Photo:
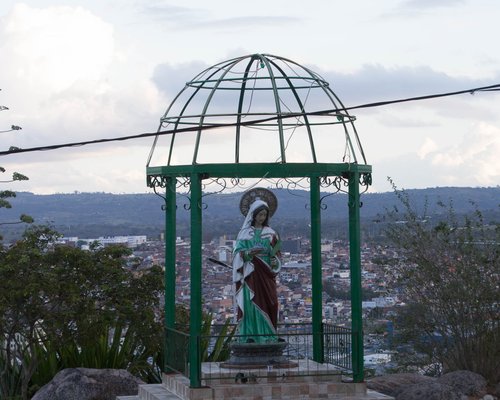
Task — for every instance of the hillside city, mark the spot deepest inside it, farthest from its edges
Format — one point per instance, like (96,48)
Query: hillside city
(294,283)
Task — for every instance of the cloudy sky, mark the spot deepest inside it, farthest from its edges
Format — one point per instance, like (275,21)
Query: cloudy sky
(75,70)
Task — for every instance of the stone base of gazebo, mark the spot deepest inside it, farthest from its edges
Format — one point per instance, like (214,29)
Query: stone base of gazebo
(222,384)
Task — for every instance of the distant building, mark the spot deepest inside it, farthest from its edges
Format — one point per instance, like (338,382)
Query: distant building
(384,301)
(326,246)
(296,264)
(129,241)
(368,304)
(68,241)
(342,274)
(224,254)
(224,241)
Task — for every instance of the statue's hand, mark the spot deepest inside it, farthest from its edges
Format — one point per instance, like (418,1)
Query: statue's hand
(257,250)
(249,254)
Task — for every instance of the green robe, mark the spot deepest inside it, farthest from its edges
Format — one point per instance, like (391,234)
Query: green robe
(256,285)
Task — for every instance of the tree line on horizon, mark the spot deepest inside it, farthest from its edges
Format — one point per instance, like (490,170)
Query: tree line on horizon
(102,214)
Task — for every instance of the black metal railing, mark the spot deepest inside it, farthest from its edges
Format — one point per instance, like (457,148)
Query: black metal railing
(176,351)
(299,338)
(337,346)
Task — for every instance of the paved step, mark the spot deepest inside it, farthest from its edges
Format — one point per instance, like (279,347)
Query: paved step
(159,392)
(151,392)
(156,392)
(300,389)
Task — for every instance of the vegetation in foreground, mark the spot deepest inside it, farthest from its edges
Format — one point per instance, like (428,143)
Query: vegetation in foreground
(63,307)
(449,275)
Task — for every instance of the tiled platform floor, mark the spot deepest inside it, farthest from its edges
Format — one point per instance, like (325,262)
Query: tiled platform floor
(159,392)
(306,381)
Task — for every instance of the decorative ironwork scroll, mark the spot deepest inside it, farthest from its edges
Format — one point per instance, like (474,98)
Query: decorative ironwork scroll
(366,181)
(339,183)
(220,185)
(184,183)
(156,182)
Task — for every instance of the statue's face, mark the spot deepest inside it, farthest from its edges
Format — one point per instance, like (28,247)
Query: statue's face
(260,217)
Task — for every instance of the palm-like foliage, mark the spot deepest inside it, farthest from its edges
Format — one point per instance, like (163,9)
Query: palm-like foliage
(115,348)
(10,377)
(220,349)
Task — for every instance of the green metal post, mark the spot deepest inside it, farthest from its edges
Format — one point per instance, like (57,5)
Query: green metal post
(355,263)
(317,285)
(195,311)
(170,259)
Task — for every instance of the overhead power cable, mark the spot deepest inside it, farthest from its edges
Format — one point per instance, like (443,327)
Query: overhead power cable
(490,88)
(16,150)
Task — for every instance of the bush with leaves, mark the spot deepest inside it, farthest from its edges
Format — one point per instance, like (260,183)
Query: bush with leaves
(449,276)
(59,304)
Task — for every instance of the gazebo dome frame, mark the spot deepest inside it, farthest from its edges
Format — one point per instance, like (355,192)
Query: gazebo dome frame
(188,115)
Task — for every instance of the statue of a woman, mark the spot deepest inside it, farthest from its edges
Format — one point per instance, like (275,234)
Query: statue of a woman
(256,262)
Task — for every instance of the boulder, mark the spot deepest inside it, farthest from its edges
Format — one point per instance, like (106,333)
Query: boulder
(428,391)
(466,382)
(391,384)
(89,384)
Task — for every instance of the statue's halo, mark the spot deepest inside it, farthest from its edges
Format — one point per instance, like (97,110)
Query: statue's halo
(255,194)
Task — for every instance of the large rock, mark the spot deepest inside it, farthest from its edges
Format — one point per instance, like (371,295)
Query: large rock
(466,382)
(428,391)
(391,384)
(89,384)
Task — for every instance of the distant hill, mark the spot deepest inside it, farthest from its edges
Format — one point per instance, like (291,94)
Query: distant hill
(100,214)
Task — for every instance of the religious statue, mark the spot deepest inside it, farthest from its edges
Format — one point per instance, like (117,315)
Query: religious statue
(256,262)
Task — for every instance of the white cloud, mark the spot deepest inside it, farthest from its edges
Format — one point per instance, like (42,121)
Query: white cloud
(373,83)
(67,80)
(52,48)
(64,78)
(66,68)
(429,4)
(167,13)
(86,70)
(474,159)
(427,147)
(170,78)
(469,161)
(189,18)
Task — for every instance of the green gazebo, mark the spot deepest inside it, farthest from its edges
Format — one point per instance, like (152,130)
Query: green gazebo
(253,118)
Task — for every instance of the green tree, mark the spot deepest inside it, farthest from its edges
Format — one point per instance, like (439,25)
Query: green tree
(59,297)
(449,274)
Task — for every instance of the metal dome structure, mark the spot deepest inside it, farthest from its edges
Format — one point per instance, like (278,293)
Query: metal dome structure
(258,117)
(229,108)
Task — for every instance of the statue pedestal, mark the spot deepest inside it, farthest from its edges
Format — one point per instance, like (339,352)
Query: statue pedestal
(258,355)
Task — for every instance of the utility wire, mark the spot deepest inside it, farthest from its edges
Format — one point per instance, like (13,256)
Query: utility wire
(490,88)
(16,150)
